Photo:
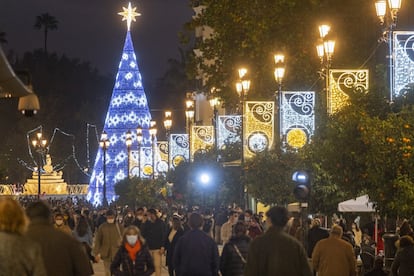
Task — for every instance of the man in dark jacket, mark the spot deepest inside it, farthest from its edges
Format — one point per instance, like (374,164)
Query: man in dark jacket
(275,252)
(63,255)
(315,234)
(196,253)
(154,231)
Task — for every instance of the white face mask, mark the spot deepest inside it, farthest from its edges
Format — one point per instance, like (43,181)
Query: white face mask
(140,217)
(59,222)
(247,219)
(132,239)
(110,220)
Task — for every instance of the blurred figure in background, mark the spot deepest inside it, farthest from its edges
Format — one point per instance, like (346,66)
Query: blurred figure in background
(175,232)
(234,256)
(18,255)
(60,224)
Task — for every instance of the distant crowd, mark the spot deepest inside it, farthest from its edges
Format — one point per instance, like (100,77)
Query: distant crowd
(65,236)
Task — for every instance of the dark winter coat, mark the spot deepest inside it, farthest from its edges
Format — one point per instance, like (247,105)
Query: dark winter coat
(170,246)
(403,264)
(230,262)
(154,233)
(143,265)
(196,254)
(315,234)
(276,253)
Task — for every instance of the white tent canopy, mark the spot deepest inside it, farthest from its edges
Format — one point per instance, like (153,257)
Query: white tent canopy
(360,204)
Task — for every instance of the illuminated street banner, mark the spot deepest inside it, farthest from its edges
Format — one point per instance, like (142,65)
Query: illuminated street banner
(402,76)
(297,113)
(202,138)
(162,162)
(341,83)
(258,127)
(228,130)
(179,149)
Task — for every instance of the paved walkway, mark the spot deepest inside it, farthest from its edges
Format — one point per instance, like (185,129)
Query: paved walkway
(99,270)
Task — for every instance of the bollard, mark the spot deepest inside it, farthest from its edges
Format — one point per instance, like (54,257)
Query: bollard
(389,249)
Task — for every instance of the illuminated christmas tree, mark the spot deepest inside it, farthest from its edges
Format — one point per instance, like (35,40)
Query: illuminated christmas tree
(128,109)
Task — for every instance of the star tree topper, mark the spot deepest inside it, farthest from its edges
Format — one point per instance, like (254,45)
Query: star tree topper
(129,14)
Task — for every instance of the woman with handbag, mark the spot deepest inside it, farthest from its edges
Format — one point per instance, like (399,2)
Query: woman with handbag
(234,255)
(133,257)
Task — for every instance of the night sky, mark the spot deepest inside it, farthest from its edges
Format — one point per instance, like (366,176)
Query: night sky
(93,31)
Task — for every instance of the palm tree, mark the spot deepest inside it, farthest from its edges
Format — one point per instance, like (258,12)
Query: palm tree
(3,39)
(47,22)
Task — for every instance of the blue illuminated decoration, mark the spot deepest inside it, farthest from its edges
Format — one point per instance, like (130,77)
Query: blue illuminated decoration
(228,130)
(297,117)
(179,149)
(127,110)
(402,77)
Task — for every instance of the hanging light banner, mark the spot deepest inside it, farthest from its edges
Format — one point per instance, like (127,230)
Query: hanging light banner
(179,149)
(146,162)
(341,83)
(134,168)
(202,138)
(402,75)
(258,127)
(228,130)
(297,118)
(162,164)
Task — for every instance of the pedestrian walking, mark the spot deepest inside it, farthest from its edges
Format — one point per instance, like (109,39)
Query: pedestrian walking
(227,227)
(62,253)
(334,256)
(196,253)
(107,241)
(403,264)
(133,257)
(275,252)
(154,231)
(19,255)
(234,256)
(175,232)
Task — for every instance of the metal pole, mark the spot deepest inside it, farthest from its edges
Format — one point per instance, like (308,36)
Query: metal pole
(391,61)
(215,132)
(129,162)
(153,157)
(105,202)
(139,160)
(38,175)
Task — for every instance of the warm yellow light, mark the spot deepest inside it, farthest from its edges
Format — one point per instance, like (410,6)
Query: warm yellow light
(242,72)
(43,142)
(324,30)
(104,136)
(128,142)
(167,114)
(381,9)
(214,101)
(152,124)
(34,143)
(239,88)
(189,114)
(128,135)
(129,15)
(39,135)
(329,47)
(320,50)
(279,74)
(279,58)
(189,103)
(395,4)
(139,135)
(246,86)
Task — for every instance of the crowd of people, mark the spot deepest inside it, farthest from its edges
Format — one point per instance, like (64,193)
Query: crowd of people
(65,236)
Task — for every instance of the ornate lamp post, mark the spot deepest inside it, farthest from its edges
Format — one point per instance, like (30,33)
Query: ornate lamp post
(128,142)
(325,50)
(104,144)
(139,140)
(189,115)
(167,126)
(279,75)
(242,88)
(40,145)
(388,19)
(153,133)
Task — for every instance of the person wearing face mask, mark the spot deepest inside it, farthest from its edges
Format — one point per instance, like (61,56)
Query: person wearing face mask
(107,240)
(60,224)
(128,219)
(139,217)
(133,257)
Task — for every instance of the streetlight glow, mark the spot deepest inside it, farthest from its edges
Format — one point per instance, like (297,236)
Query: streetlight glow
(324,30)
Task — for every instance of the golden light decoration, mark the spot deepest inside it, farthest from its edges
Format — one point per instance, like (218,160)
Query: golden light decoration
(259,126)
(129,15)
(202,137)
(147,170)
(177,160)
(296,138)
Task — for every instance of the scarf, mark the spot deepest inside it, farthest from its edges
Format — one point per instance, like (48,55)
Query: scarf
(133,250)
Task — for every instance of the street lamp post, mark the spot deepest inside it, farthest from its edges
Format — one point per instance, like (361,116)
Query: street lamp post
(189,115)
(40,145)
(388,19)
(128,142)
(325,50)
(104,144)
(153,133)
(279,75)
(139,141)
(167,126)
(242,88)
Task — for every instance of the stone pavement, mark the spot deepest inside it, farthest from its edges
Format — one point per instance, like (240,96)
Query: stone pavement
(99,270)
